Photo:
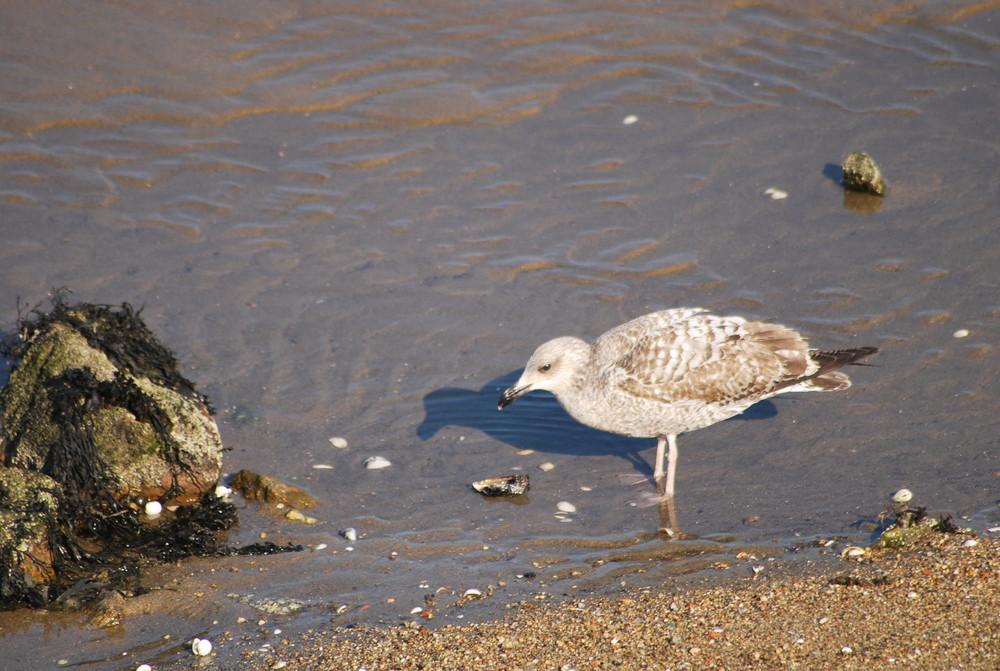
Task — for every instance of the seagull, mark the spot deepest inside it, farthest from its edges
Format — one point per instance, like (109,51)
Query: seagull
(674,371)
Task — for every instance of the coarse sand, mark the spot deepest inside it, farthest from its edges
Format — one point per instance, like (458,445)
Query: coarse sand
(936,606)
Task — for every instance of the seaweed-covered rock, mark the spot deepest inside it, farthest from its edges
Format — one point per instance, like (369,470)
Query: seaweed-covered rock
(94,419)
(29,506)
(97,399)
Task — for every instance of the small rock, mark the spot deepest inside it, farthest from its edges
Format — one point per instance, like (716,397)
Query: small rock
(201,646)
(257,487)
(297,516)
(861,174)
(902,496)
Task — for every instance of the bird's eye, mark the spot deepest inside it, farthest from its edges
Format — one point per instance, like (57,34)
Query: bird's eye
(545,367)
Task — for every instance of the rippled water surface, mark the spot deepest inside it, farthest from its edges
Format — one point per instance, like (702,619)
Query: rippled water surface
(359,219)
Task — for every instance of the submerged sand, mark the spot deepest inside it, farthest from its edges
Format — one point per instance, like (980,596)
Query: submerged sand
(936,606)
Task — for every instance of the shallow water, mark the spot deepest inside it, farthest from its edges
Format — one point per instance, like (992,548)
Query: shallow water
(360,222)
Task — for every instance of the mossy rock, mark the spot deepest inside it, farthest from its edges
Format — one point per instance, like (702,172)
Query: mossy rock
(29,506)
(68,401)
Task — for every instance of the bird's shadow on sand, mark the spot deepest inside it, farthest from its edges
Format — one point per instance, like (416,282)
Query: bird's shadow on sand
(537,422)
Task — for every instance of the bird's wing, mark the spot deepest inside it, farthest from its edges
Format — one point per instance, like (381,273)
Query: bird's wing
(703,358)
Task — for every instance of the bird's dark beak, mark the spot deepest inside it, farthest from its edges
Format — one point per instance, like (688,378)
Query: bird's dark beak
(511,395)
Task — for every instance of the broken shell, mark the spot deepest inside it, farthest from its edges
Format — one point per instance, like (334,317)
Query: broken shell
(350,534)
(375,463)
(852,551)
(902,496)
(472,593)
(509,485)
(566,507)
(775,194)
(201,646)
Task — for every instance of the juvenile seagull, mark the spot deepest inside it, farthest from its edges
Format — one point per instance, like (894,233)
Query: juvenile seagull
(675,371)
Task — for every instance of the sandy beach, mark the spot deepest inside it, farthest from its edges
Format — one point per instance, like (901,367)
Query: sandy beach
(933,607)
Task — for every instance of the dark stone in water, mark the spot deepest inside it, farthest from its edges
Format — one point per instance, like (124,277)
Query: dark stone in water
(861,174)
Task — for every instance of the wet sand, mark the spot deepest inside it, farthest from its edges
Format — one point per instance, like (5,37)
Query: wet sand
(933,607)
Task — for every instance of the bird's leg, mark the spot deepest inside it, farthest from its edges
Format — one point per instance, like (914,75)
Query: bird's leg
(666,449)
(664,477)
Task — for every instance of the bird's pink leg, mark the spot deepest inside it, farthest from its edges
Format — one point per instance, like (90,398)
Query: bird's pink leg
(666,451)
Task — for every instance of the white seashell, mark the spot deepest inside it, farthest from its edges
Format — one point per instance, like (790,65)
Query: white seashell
(350,534)
(153,508)
(547,466)
(961,333)
(338,442)
(416,610)
(473,593)
(144,667)
(222,492)
(321,546)
(201,646)
(375,463)
(971,543)
(322,467)
(852,551)
(630,119)
(902,496)
(775,194)
(566,507)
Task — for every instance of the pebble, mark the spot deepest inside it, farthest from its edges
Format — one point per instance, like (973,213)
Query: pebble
(958,614)
(201,646)
(375,463)
(297,516)
(775,194)
(339,443)
(902,496)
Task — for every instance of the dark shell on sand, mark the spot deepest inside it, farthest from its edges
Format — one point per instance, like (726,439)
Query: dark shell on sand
(510,485)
